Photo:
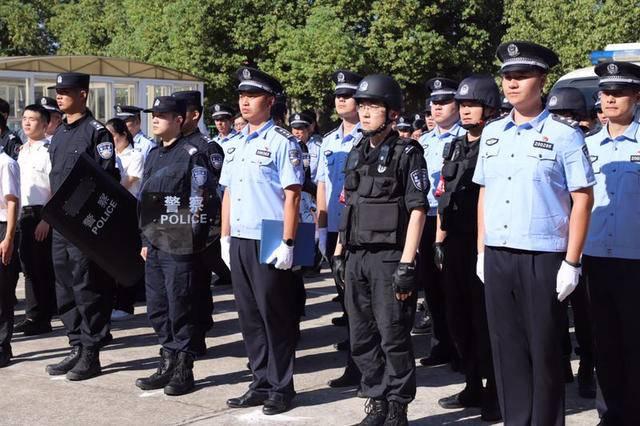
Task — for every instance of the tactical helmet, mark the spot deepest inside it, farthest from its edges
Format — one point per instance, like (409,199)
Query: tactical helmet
(381,88)
(479,88)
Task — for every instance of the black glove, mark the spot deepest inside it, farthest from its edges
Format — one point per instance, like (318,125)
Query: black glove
(438,255)
(337,267)
(404,278)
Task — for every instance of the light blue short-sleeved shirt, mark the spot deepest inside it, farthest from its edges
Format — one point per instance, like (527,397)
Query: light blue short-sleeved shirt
(257,168)
(433,143)
(614,230)
(221,140)
(528,172)
(143,144)
(333,156)
(313,145)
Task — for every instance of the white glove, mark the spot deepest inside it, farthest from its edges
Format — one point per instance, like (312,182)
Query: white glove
(322,241)
(225,247)
(567,280)
(283,256)
(480,267)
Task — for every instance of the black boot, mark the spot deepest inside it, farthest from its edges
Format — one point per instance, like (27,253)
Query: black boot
(88,365)
(5,357)
(32,328)
(586,379)
(376,410)
(163,374)
(182,379)
(66,364)
(568,372)
(397,414)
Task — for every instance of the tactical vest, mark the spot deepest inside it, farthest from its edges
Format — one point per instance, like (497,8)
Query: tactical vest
(375,213)
(457,206)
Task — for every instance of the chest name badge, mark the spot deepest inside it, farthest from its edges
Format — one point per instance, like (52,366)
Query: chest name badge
(263,153)
(635,158)
(105,150)
(491,141)
(543,145)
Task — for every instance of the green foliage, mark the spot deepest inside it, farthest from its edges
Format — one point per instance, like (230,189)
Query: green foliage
(22,28)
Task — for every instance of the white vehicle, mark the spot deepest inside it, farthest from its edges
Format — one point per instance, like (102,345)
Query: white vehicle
(586,79)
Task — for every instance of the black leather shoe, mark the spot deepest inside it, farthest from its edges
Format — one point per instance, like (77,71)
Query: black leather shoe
(342,346)
(586,381)
(339,321)
(344,381)
(276,404)
(5,358)
(163,374)
(87,367)
(461,400)
(435,359)
(249,399)
(396,414)
(32,328)
(423,325)
(181,381)
(66,364)
(376,410)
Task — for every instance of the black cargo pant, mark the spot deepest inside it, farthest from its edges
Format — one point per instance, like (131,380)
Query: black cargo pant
(431,280)
(466,312)
(8,281)
(526,326)
(84,293)
(172,283)
(268,309)
(37,267)
(614,287)
(380,325)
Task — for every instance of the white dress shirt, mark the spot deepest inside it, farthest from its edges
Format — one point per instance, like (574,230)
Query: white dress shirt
(9,182)
(131,164)
(35,165)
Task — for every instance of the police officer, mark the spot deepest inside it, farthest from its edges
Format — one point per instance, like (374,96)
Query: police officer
(35,235)
(55,115)
(301,126)
(569,102)
(222,116)
(417,126)
(83,292)
(10,142)
(336,145)
(428,117)
(478,99)
(445,115)
(193,101)
(131,116)
(176,174)
(263,176)
(385,186)
(534,206)
(404,126)
(9,262)
(612,252)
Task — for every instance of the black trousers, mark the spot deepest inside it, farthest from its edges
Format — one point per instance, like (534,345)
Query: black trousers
(8,281)
(431,280)
(84,293)
(582,323)
(37,268)
(172,283)
(269,315)
(466,312)
(380,326)
(526,326)
(614,287)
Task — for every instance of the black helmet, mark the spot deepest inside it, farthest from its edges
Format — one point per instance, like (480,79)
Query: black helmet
(382,88)
(479,88)
(568,99)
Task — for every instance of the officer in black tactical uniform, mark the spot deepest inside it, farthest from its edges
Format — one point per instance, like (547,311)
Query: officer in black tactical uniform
(10,142)
(386,182)
(215,154)
(83,291)
(178,203)
(455,249)
(569,102)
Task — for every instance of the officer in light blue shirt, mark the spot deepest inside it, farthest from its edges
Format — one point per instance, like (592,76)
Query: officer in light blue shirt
(534,206)
(223,119)
(301,126)
(444,111)
(335,148)
(612,252)
(263,176)
(131,116)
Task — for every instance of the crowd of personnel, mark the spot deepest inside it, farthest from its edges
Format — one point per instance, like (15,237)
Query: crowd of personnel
(504,207)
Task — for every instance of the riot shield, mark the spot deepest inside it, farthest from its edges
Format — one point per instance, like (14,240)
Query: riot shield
(98,215)
(185,219)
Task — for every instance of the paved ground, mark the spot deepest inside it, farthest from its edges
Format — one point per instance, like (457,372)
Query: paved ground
(29,396)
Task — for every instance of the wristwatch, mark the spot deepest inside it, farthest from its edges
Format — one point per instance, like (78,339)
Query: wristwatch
(288,242)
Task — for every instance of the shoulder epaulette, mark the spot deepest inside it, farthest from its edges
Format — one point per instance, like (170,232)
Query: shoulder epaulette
(592,132)
(283,132)
(191,149)
(408,145)
(329,132)
(97,125)
(564,120)
(491,120)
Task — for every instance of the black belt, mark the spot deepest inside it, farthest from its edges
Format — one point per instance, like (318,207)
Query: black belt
(31,210)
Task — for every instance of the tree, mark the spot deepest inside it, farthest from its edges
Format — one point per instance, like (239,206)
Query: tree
(22,28)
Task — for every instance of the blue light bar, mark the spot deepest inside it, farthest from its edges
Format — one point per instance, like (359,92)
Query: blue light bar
(628,55)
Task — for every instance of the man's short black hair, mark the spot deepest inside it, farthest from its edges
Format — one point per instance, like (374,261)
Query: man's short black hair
(44,113)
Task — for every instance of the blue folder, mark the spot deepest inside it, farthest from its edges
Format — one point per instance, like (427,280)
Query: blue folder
(304,246)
